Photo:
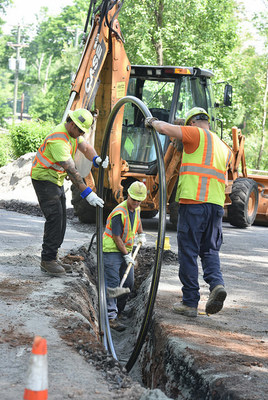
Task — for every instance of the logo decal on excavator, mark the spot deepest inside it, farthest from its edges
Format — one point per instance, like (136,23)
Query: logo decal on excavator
(93,71)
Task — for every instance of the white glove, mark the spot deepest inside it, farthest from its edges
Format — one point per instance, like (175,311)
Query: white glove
(141,238)
(128,258)
(148,122)
(94,200)
(104,163)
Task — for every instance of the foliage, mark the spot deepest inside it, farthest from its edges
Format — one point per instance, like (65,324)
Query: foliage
(3,5)
(28,136)
(5,155)
(5,91)
(51,103)
(49,106)
(186,32)
(52,58)
(169,32)
(252,143)
(248,75)
(5,112)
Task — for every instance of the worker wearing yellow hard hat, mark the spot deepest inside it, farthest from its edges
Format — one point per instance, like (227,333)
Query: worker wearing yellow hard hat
(198,113)
(54,160)
(82,118)
(201,197)
(122,225)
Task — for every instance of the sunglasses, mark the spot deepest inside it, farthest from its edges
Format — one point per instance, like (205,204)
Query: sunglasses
(203,117)
(80,130)
(139,201)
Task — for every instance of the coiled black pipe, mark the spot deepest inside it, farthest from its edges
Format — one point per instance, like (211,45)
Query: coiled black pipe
(103,317)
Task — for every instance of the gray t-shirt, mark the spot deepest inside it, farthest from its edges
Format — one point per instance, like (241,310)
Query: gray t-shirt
(117,226)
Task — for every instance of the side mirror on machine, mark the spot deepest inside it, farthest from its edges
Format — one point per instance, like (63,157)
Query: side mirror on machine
(228,91)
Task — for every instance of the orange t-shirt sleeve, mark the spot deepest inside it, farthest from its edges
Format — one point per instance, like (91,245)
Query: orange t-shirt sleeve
(190,138)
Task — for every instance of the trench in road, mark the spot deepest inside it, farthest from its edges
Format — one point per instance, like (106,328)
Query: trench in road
(223,353)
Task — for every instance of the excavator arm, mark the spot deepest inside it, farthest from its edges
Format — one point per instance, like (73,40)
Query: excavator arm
(100,81)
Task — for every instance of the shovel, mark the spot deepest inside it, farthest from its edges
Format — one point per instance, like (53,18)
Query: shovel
(119,290)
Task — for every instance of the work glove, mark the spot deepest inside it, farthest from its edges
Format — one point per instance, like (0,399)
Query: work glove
(148,121)
(129,259)
(104,163)
(177,143)
(141,238)
(94,200)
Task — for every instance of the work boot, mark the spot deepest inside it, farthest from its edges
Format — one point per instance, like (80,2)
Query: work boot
(180,308)
(216,299)
(52,268)
(68,268)
(116,325)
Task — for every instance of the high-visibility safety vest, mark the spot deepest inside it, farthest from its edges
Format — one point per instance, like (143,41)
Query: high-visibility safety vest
(128,233)
(202,173)
(43,160)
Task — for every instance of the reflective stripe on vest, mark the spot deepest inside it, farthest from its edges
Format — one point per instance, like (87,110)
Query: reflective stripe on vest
(45,161)
(128,233)
(204,165)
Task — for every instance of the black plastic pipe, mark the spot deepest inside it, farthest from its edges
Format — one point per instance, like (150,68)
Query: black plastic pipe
(103,317)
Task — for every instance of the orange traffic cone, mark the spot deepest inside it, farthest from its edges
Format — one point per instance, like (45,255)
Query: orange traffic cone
(37,376)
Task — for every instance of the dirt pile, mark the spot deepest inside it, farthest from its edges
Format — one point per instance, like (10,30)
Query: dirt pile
(16,182)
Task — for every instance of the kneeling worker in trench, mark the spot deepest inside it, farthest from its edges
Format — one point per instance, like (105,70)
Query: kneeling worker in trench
(123,223)
(201,194)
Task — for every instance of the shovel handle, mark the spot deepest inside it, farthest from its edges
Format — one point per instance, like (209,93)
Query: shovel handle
(130,265)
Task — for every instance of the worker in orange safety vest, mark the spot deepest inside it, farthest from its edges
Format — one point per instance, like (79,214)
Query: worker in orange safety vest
(201,197)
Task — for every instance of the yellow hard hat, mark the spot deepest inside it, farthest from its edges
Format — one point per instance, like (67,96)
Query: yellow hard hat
(194,112)
(137,191)
(82,118)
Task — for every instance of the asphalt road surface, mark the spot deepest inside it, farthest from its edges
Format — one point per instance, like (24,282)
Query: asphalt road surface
(229,349)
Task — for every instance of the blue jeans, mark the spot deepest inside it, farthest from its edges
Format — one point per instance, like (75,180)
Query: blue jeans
(199,233)
(114,269)
(52,201)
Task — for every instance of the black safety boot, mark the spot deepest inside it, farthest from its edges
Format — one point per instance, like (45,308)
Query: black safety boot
(52,268)
(68,268)
(116,325)
(216,300)
(180,308)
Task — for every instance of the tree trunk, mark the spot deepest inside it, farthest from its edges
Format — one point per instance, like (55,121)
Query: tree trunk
(39,66)
(159,52)
(47,73)
(157,39)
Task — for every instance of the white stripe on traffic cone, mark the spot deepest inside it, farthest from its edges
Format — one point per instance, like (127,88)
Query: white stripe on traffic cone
(37,374)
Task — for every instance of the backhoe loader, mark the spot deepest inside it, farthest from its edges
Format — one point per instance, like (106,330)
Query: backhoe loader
(105,75)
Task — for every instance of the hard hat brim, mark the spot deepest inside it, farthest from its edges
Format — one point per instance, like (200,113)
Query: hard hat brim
(137,198)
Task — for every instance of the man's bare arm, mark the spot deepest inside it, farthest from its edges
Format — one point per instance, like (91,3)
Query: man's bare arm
(69,167)
(140,230)
(120,244)
(168,129)
(88,150)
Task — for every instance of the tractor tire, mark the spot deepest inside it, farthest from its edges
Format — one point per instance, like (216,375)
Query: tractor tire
(245,197)
(85,212)
(173,213)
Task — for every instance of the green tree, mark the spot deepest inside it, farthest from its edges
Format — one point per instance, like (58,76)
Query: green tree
(3,6)
(5,87)
(179,32)
(52,57)
(248,75)
(175,32)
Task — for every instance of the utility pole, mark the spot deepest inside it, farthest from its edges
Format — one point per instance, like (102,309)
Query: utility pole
(18,66)
(77,32)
